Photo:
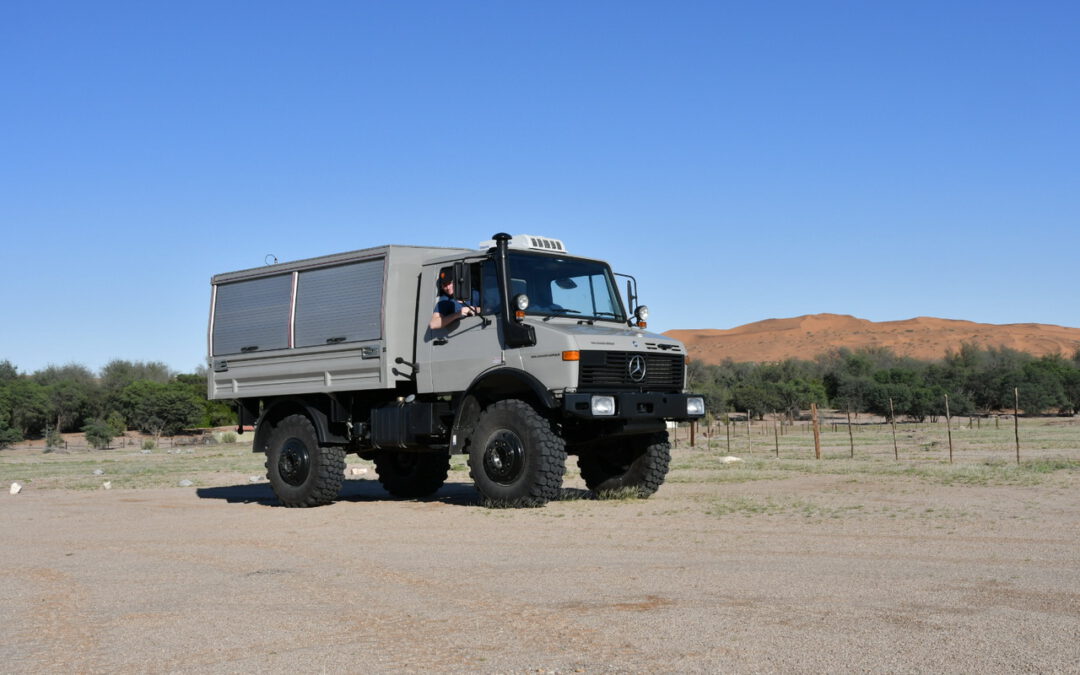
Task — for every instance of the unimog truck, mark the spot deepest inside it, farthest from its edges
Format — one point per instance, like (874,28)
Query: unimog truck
(334,355)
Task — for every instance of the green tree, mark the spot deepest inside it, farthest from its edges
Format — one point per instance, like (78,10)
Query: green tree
(28,406)
(118,374)
(160,408)
(8,436)
(215,413)
(9,372)
(98,434)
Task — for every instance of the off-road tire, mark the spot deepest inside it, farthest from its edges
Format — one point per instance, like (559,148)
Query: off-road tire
(637,463)
(412,475)
(516,458)
(301,472)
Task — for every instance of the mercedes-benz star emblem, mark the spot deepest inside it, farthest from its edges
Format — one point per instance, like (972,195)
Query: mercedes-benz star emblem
(636,368)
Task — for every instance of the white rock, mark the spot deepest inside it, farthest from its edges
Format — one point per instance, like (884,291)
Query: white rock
(16,488)
(254,479)
(107,485)
(729,460)
(186,483)
(99,472)
(357,471)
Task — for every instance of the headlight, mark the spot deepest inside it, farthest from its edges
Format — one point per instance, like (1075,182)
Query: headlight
(695,406)
(521,301)
(603,406)
(642,313)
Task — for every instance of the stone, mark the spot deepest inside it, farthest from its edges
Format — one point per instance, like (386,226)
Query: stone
(729,460)
(186,483)
(99,472)
(107,485)
(16,488)
(357,471)
(254,479)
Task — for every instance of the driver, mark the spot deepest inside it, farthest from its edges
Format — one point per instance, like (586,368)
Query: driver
(447,308)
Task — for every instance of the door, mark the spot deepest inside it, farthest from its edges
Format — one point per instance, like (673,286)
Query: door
(452,357)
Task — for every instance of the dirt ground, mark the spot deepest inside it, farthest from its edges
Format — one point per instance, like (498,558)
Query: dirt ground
(753,570)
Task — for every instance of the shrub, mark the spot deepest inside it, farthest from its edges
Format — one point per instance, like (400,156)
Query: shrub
(98,434)
(116,422)
(228,437)
(148,444)
(8,437)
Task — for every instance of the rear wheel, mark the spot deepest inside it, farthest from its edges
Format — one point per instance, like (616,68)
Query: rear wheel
(515,456)
(636,463)
(301,472)
(411,475)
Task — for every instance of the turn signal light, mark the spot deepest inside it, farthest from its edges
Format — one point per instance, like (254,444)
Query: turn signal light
(571,356)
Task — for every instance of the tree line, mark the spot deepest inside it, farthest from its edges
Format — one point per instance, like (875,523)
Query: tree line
(976,380)
(123,395)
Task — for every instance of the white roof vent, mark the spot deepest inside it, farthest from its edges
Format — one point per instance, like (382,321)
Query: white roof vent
(530,242)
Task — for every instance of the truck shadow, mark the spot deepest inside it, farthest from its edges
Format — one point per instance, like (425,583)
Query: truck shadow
(453,494)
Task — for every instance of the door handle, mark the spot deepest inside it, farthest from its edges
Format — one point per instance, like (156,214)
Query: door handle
(440,341)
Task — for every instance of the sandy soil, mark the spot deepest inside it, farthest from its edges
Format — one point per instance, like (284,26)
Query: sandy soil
(805,337)
(810,573)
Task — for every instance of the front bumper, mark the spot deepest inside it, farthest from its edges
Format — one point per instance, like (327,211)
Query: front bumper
(632,406)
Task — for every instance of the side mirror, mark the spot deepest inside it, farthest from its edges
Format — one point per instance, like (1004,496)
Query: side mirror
(462,282)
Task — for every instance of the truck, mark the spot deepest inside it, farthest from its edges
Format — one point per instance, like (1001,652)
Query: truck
(337,355)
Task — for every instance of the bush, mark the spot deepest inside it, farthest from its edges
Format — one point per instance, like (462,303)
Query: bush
(228,437)
(116,422)
(98,434)
(54,439)
(8,437)
(149,444)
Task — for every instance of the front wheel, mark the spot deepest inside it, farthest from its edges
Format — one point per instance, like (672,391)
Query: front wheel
(637,463)
(301,472)
(515,456)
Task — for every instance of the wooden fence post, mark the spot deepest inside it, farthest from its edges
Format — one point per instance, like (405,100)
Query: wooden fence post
(948,426)
(1016,420)
(892,418)
(851,436)
(749,434)
(817,431)
(776,437)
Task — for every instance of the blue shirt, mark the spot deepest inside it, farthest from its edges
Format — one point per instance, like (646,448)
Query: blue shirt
(446,305)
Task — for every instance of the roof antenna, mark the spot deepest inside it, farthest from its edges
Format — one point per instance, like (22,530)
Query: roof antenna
(270,259)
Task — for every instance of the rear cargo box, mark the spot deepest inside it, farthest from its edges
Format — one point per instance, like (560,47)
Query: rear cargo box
(335,323)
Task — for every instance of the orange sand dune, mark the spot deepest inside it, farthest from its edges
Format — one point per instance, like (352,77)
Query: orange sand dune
(804,337)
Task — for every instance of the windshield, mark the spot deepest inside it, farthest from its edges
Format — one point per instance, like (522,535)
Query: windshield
(558,286)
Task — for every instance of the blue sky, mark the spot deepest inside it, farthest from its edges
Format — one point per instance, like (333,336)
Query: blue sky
(745,160)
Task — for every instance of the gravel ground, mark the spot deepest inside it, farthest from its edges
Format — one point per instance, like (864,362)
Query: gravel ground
(809,573)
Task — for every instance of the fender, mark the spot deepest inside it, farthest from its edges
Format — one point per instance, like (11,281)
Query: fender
(491,386)
(284,407)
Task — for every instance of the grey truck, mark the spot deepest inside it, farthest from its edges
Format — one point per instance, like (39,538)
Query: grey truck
(334,355)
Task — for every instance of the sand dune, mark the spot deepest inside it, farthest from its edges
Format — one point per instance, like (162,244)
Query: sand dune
(804,337)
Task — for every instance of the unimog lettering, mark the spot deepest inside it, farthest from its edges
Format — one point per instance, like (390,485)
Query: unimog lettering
(542,358)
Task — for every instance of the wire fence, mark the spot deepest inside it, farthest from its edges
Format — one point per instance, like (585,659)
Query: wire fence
(976,438)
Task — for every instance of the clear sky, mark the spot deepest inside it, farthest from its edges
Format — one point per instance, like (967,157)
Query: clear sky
(745,160)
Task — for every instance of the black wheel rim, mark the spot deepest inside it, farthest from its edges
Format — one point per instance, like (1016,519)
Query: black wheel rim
(504,457)
(405,462)
(294,464)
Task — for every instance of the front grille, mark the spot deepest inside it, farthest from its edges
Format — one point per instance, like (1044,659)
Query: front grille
(611,370)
